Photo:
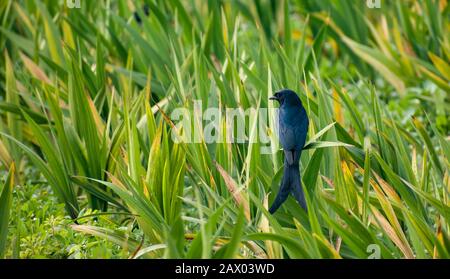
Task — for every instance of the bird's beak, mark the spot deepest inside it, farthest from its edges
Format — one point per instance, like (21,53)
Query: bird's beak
(273,98)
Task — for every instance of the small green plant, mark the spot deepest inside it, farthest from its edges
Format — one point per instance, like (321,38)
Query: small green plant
(86,114)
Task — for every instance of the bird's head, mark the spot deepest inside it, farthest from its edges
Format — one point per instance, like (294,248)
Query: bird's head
(286,97)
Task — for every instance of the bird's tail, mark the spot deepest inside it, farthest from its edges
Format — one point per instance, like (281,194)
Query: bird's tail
(291,183)
(296,187)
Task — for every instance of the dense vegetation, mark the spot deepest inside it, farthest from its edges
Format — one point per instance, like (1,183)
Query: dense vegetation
(91,167)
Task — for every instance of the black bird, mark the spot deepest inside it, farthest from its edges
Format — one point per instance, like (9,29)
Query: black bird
(293,127)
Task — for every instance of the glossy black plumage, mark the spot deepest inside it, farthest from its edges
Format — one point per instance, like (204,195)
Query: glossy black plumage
(293,127)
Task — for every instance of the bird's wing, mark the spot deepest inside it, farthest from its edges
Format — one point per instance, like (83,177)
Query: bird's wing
(300,130)
(288,139)
(293,127)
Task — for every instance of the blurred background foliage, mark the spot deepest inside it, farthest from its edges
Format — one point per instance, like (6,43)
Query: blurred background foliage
(91,169)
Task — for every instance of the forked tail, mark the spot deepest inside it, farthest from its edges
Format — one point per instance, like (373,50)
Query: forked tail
(291,183)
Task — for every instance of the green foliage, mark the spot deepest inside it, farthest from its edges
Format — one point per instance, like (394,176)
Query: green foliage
(86,100)
(5,208)
(39,227)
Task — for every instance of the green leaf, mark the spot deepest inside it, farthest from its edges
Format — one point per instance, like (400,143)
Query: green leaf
(5,208)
